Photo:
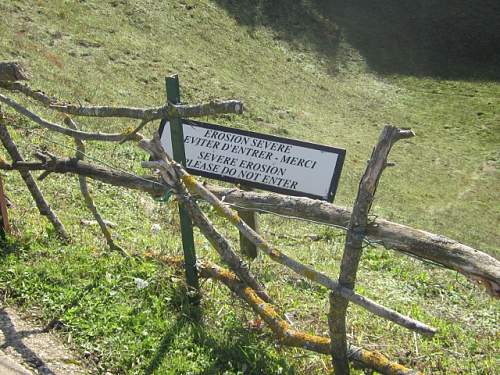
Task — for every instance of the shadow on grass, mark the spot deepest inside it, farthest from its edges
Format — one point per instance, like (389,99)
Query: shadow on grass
(454,39)
(8,247)
(238,349)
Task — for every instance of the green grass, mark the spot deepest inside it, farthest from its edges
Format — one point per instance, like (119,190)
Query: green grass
(307,77)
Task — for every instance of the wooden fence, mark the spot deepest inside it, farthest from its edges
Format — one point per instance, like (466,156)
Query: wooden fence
(168,175)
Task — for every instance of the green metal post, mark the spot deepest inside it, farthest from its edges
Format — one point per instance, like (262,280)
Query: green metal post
(177,135)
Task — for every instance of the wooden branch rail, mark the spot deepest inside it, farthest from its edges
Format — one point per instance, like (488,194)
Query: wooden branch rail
(63,130)
(148,114)
(29,92)
(113,177)
(474,264)
(165,111)
(285,334)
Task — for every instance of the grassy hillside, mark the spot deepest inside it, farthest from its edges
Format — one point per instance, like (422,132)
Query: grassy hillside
(307,70)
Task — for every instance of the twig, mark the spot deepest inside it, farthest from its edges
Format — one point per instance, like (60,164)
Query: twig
(86,194)
(93,222)
(133,133)
(37,195)
(354,243)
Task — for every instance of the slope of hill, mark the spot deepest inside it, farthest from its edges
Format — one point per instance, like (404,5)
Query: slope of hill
(309,70)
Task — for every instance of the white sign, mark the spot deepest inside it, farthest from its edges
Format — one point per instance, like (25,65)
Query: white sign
(263,161)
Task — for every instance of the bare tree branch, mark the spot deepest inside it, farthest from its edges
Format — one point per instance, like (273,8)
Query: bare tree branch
(37,195)
(148,114)
(210,109)
(166,111)
(29,92)
(80,155)
(148,184)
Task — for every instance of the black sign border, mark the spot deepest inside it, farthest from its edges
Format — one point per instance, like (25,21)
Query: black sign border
(333,184)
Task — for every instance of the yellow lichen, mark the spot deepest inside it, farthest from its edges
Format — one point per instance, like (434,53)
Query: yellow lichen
(126,132)
(189,181)
(269,311)
(310,274)
(232,216)
(302,339)
(228,275)
(375,358)
(378,360)
(275,253)
(235,218)
(396,368)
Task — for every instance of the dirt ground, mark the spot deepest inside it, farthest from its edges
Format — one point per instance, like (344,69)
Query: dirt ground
(26,349)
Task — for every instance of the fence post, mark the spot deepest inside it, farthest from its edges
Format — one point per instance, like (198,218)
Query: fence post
(176,131)
(251,218)
(3,209)
(354,243)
